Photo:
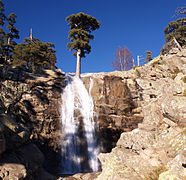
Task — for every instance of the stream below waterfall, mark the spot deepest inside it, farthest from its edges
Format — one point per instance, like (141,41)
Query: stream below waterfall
(79,144)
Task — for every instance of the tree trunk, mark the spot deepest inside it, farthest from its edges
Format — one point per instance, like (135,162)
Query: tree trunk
(78,65)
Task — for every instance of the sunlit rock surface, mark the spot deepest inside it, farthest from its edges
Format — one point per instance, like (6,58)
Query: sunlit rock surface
(29,122)
(140,116)
(156,149)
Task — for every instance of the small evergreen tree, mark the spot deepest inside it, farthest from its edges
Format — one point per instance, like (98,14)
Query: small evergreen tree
(34,55)
(176,29)
(81,26)
(148,56)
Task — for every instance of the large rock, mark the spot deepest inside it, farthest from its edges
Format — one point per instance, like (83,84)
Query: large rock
(12,132)
(12,171)
(28,157)
(173,107)
(156,149)
(30,118)
(175,169)
(136,140)
(114,105)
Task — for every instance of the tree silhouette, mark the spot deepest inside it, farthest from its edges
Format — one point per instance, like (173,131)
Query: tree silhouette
(123,59)
(81,26)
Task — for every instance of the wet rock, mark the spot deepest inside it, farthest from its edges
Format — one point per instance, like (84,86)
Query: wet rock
(114,106)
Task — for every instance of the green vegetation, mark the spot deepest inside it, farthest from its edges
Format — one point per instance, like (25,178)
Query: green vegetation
(81,26)
(175,32)
(33,55)
(176,29)
(7,35)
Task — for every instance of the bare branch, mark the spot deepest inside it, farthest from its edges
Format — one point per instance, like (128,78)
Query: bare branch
(123,60)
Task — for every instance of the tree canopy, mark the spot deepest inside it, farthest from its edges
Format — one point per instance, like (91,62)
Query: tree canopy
(34,55)
(81,26)
(176,29)
(7,35)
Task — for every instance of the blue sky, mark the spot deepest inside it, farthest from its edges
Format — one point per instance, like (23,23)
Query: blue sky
(136,24)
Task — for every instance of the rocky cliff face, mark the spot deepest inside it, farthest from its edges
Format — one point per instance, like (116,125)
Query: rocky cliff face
(140,117)
(155,149)
(147,104)
(29,122)
(115,108)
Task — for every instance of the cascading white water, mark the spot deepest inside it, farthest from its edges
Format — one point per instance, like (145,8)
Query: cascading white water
(79,144)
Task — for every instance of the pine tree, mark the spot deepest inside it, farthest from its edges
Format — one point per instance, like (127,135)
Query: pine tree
(34,55)
(176,29)
(81,26)
(7,42)
(13,33)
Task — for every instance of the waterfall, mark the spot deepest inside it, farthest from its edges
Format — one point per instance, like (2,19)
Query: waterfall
(79,145)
